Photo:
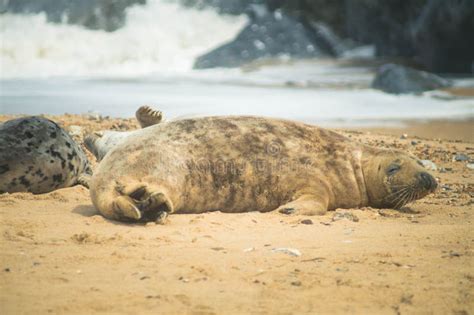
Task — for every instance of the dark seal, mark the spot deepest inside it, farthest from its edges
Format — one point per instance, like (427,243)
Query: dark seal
(38,156)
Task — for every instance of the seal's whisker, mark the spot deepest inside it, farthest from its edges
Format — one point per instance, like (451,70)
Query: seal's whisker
(407,199)
(413,197)
(402,187)
(396,194)
(397,198)
(402,199)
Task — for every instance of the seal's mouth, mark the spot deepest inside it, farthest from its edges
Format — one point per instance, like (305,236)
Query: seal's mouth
(401,195)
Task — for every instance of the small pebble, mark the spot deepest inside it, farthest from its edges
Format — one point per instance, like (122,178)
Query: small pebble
(287,211)
(429,165)
(407,299)
(306,221)
(404,136)
(296,283)
(446,187)
(6,269)
(217,248)
(185,280)
(470,166)
(290,251)
(76,131)
(345,215)
(414,142)
(461,157)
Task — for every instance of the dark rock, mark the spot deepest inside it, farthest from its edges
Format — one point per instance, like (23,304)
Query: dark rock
(272,34)
(330,12)
(398,79)
(306,221)
(443,36)
(108,15)
(383,23)
(435,33)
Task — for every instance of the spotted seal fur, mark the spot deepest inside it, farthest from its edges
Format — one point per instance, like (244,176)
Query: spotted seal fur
(239,164)
(38,156)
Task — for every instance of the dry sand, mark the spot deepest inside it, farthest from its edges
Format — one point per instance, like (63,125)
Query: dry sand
(59,256)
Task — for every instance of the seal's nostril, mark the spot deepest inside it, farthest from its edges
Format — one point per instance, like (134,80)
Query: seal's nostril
(428,181)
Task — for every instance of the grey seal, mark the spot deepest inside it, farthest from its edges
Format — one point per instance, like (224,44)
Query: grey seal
(38,156)
(239,164)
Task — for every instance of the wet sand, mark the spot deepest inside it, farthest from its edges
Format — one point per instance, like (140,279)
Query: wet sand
(59,256)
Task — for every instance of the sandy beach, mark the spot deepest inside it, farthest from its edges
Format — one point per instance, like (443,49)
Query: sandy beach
(58,255)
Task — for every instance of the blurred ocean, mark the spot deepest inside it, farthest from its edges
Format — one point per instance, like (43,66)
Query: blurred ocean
(60,68)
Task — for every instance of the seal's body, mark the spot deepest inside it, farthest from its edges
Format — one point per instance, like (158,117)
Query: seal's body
(38,156)
(239,164)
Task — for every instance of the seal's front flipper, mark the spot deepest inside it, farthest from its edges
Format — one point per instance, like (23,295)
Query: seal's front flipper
(155,207)
(147,116)
(142,203)
(125,209)
(306,205)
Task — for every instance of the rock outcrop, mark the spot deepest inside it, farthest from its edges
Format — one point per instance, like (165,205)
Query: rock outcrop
(396,79)
(273,34)
(436,34)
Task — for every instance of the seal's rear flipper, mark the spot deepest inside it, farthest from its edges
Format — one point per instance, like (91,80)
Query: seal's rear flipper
(84,180)
(306,205)
(147,116)
(141,203)
(90,142)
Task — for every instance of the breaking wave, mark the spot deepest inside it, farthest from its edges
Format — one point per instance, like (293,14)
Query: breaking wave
(160,37)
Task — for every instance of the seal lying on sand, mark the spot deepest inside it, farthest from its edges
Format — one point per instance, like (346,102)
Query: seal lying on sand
(38,156)
(239,164)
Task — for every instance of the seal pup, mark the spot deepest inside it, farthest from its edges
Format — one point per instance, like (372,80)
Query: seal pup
(240,164)
(101,142)
(38,156)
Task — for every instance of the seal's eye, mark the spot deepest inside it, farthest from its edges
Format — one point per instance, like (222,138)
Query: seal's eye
(392,169)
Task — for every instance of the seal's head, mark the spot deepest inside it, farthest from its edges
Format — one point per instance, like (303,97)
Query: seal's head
(394,178)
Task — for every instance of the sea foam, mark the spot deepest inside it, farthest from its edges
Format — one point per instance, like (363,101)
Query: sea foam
(159,37)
